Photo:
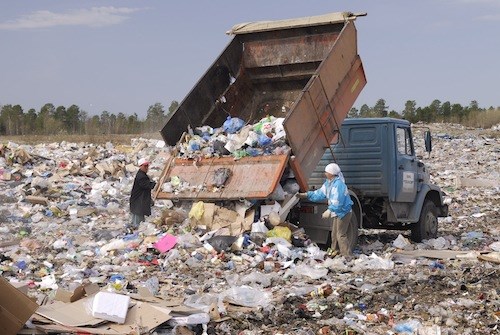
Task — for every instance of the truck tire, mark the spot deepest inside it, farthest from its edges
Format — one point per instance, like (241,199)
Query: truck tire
(427,226)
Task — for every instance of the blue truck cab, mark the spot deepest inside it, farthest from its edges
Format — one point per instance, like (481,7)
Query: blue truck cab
(389,185)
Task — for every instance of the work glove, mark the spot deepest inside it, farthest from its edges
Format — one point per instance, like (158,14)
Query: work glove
(302,195)
(326,214)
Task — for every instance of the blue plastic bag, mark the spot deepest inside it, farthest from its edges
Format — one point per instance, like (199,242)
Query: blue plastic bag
(233,125)
(264,140)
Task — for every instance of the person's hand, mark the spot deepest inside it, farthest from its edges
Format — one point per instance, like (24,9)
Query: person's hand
(326,214)
(302,195)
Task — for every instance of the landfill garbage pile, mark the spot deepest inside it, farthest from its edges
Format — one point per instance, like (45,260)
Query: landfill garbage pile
(202,268)
(232,141)
(235,138)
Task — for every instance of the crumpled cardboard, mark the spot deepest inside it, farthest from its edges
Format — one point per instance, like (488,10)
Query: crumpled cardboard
(78,293)
(15,308)
(214,217)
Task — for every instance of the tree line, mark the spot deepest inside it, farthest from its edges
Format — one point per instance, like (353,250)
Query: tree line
(73,120)
(437,111)
(51,120)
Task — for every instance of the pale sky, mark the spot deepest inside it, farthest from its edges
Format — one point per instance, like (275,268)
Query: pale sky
(125,55)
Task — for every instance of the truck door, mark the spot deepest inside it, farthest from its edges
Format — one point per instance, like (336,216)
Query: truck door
(406,183)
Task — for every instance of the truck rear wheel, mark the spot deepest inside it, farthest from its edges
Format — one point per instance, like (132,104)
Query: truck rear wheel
(427,225)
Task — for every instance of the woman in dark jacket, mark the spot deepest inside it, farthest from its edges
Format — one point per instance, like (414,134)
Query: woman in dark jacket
(140,197)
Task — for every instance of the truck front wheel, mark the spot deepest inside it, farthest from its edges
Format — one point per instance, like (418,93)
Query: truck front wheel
(427,225)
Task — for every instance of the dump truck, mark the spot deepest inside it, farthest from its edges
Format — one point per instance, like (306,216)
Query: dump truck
(388,183)
(308,72)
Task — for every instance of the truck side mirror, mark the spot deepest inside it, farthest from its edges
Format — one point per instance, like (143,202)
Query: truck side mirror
(428,141)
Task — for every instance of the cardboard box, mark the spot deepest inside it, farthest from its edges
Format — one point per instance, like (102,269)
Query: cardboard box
(72,315)
(78,293)
(15,308)
(147,315)
(21,286)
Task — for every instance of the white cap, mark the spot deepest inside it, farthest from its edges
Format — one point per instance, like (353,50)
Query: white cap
(333,169)
(143,161)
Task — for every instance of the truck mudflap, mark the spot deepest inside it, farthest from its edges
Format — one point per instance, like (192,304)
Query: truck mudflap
(249,178)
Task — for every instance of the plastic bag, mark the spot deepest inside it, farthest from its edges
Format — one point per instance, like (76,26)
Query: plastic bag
(252,138)
(222,242)
(315,252)
(311,272)
(257,277)
(221,175)
(401,242)
(280,231)
(247,296)
(204,132)
(218,147)
(264,140)
(408,327)
(257,127)
(194,144)
(373,262)
(259,227)
(239,154)
(153,285)
(253,152)
(284,251)
(236,141)
(201,302)
(175,181)
(233,125)
(197,210)
(187,241)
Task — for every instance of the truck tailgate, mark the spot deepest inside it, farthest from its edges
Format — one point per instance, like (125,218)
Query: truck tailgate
(251,177)
(314,122)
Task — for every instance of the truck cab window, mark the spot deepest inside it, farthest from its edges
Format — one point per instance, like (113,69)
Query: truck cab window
(403,139)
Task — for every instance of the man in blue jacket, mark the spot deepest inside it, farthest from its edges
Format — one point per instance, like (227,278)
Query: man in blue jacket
(140,197)
(335,191)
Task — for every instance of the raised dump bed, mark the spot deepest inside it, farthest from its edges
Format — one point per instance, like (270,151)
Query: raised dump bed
(304,70)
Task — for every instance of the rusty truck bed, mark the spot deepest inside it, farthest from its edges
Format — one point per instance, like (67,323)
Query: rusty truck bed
(251,178)
(306,71)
